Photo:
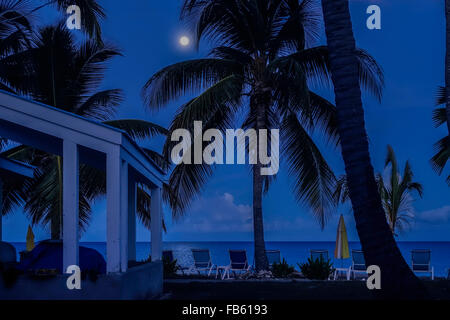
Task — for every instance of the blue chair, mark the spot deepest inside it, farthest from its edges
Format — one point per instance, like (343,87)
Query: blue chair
(318,254)
(358,264)
(421,262)
(238,263)
(202,261)
(273,256)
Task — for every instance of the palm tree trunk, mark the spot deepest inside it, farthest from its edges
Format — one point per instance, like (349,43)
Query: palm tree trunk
(259,102)
(258,224)
(377,240)
(447,63)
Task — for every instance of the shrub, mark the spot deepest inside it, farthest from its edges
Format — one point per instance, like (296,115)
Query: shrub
(317,269)
(170,267)
(282,269)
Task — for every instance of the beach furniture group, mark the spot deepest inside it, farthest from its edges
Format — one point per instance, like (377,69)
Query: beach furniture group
(239,264)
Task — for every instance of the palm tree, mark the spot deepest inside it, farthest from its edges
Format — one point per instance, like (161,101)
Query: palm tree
(15,33)
(395,192)
(91,13)
(66,75)
(442,147)
(377,240)
(261,66)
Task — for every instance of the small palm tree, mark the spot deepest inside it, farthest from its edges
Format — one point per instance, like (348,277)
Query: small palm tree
(395,192)
(66,75)
(261,66)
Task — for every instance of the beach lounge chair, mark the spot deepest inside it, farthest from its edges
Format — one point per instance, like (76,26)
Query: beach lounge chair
(421,262)
(316,254)
(238,263)
(202,261)
(358,264)
(273,256)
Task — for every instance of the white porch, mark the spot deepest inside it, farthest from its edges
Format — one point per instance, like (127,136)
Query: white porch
(77,140)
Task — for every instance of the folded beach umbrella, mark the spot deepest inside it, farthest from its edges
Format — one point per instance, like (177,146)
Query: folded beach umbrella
(30,239)
(341,251)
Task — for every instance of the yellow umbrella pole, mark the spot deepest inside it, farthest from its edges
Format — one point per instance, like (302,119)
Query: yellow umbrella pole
(30,239)
(341,251)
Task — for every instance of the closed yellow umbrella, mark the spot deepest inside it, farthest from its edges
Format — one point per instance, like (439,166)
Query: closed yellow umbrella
(30,239)
(341,250)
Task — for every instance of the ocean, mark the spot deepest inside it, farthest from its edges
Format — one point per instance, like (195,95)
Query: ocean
(293,252)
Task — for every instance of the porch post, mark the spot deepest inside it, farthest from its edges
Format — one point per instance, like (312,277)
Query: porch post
(132,220)
(124,216)
(156,224)
(113,208)
(70,204)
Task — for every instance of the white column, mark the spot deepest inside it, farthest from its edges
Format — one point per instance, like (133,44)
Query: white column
(124,217)
(113,208)
(1,209)
(132,220)
(70,204)
(156,224)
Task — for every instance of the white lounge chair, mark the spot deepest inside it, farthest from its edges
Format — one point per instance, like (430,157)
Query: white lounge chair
(238,263)
(358,264)
(273,256)
(421,262)
(317,254)
(202,261)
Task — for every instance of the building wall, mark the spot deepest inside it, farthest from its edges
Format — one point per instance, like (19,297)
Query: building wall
(138,283)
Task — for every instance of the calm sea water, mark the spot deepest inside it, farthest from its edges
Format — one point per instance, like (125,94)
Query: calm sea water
(293,252)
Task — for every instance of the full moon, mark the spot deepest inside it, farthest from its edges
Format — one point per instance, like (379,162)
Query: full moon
(184,41)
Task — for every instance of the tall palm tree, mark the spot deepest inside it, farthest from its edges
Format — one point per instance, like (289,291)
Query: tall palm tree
(261,66)
(395,192)
(66,75)
(377,240)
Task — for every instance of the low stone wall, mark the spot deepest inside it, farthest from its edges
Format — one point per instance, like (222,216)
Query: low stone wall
(141,282)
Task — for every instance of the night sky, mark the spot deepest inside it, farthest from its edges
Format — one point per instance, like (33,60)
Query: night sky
(410,48)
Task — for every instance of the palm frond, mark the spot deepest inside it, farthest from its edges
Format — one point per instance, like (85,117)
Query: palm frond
(441,96)
(341,191)
(314,178)
(158,158)
(92,13)
(138,129)
(101,105)
(184,78)
(439,117)
(442,155)
(371,74)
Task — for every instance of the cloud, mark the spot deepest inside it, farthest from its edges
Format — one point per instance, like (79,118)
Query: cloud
(216,214)
(435,216)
